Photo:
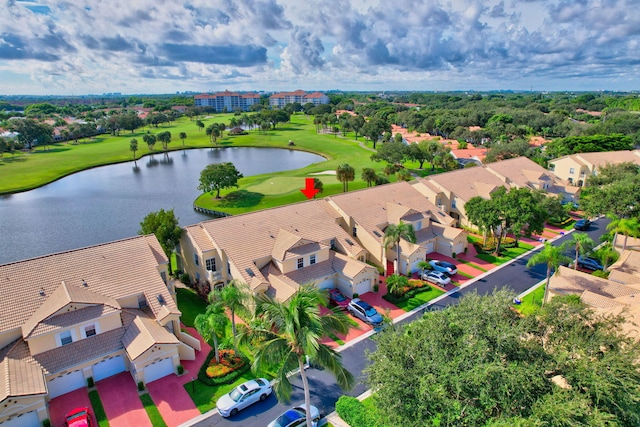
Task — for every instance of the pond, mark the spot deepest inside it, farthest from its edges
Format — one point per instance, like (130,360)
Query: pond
(108,203)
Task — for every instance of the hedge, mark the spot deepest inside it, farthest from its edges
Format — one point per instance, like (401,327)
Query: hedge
(227,379)
(416,286)
(354,413)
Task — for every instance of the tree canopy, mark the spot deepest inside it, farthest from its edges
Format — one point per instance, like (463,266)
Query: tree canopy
(164,225)
(480,363)
(218,176)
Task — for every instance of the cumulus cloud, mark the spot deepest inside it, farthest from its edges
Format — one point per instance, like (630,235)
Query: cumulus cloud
(266,44)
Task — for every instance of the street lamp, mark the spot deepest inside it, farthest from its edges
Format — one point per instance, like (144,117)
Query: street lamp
(193,384)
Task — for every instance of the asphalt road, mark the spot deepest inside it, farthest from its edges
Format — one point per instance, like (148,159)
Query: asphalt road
(324,392)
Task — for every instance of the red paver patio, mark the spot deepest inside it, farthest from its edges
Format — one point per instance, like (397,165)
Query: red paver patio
(119,396)
(354,332)
(191,367)
(382,305)
(173,401)
(62,405)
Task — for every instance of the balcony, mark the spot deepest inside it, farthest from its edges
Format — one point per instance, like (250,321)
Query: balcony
(213,276)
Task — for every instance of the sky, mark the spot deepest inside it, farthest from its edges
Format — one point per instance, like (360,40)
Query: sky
(78,47)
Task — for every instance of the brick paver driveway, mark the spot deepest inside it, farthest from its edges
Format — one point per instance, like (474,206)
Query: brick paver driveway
(62,405)
(119,396)
(173,401)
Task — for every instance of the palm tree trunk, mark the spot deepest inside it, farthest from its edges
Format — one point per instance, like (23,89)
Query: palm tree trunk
(215,348)
(546,288)
(233,329)
(398,258)
(305,387)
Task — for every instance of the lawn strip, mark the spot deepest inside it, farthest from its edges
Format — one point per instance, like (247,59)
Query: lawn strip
(190,304)
(532,302)
(98,409)
(420,298)
(474,265)
(152,411)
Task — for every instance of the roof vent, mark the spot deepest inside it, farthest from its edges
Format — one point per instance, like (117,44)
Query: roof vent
(349,242)
(41,292)
(250,272)
(161,299)
(376,233)
(84,283)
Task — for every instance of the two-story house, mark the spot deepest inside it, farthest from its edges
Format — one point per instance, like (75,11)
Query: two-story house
(576,168)
(86,313)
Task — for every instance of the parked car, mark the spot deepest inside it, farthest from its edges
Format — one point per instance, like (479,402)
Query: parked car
(444,266)
(363,311)
(437,277)
(243,395)
(590,263)
(582,224)
(79,417)
(338,299)
(296,417)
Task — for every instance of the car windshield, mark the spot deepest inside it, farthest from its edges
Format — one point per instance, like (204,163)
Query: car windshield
(446,264)
(288,417)
(77,415)
(260,382)
(338,297)
(235,394)
(370,311)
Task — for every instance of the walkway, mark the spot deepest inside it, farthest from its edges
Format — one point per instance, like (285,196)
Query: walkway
(122,405)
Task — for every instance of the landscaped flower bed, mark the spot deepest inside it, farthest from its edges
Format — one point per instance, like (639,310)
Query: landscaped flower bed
(414,287)
(231,366)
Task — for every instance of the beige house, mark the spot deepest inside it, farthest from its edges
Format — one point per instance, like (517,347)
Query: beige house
(451,190)
(87,313)
(576,168)
(327,242)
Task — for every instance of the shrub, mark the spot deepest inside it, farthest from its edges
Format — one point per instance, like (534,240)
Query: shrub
(90,382)
(140,386)
(46,423)
(600,273)
(354,413)
(180,369)
(184,278)
(355,295)
(376,287)
(379,268)
(217,374)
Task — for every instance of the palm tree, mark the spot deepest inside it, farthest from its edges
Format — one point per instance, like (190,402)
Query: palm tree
(133,146)
(390,169)
(626,226)
(233,296)
(424,265)
(582,243)
(211,324)
(394,233)
(345,173)
(396,283)
(606,254)
(369,175)
(553,257)
(318,185)
(284,334)
(150,140)
(183,136)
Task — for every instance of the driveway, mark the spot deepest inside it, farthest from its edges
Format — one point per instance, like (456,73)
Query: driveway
(62,405)
(173,401)
(119,396)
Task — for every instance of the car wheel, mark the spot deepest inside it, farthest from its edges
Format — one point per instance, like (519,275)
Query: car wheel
(234,412)
(263,397)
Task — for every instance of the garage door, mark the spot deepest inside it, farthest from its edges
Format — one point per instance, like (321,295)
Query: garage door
(364,286)
(326,284)
(157,370)
(30,419)
(106,368)
(429,247)
(66,383)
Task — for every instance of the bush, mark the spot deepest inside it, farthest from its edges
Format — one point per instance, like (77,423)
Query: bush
(140,386)
(355,295)
(376,287)
(180,369)
(90,382)
(379,268)
(46,423)
(184,278)
(415,286)
(600,273)
(354,413)
(223,378)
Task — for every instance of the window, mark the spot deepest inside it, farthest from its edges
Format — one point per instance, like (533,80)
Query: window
(333,243)
(453,203)
(90,330)
(195,259)
(300,262)
(354,232)
(418,225)
(65,338)
(312,259)
(211,264)
(164,276)
(552,167)
(572,171)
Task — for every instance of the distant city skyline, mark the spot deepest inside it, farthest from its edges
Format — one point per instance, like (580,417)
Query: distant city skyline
(56,47)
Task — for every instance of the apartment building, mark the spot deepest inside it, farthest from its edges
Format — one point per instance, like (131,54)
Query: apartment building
(227,101)
(576,168)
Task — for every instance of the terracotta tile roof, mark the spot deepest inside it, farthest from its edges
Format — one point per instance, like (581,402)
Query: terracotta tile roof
(20,378)
(466,183)
(597,300)
(113,270)
(601,158)
(629,262)
(520,170)
(622,277)
(143,333)
(70,318)
(570,281)
(469,153)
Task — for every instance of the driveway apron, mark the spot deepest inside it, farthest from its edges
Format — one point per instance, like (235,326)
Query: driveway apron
(62,405)
(119,396)
(172,400)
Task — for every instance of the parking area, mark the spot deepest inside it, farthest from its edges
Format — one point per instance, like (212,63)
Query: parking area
(119,396)
(62,405)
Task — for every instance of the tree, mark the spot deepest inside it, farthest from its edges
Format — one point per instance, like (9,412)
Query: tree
(394,233)
(391,152)
(356,122)
(219,176)
(183,136)
(396,284)
(582,244)
(369,175)
(626,226)
(164,225)
(345,173)
(200,125)
(31,132)
(317,185)
(150,140)
(553,257)
(133,146)
(234,296)
(213,132)
(423,266)
(165,139)
(284,334)
(212,324)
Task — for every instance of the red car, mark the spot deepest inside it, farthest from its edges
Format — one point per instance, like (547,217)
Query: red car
(336,298)
(79,417)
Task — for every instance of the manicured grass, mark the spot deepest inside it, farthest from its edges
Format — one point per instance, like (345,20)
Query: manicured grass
(205,397)
(507,254)
(152,411)
(98,409)
(427,294)
(476,266)
(532,302)
(463,274)
(190,304)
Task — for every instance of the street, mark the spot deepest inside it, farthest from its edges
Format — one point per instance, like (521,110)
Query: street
(324,392)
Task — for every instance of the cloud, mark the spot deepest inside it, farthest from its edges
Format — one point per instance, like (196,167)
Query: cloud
(240,56)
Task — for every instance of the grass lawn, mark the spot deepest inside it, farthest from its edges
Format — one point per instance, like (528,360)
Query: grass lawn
(507,254)
(98,409)
(531,302)
(190,304)
(428,293)
(476,266)
(152,411)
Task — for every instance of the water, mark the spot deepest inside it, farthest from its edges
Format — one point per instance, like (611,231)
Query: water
(108,203)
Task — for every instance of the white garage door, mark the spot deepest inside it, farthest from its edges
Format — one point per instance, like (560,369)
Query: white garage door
(364,286)
(106,368)
(66,383)
(429,247)
(30,419)
(157,370)
(326,284)
(459,248)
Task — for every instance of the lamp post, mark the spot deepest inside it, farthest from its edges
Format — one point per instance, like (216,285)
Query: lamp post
(193,384)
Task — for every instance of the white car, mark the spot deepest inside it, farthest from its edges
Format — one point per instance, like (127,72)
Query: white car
(444,266)
(296,417)
(243,395)
(437,277)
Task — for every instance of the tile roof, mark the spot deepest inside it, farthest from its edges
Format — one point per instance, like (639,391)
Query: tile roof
(629,262)
(20,378)
(570,281)
(70,318)
(466,183)
(113,270)
(143,333)
(602,158)
(520,170)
